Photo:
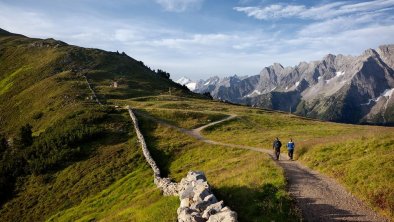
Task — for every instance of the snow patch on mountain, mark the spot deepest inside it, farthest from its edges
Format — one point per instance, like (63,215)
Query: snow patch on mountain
(387,93)
(254,93)
(183,81)
(187,82)
(191,85)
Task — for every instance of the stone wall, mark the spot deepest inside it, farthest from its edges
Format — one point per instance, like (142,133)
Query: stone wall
(169,188)
(91,89)
(198,204)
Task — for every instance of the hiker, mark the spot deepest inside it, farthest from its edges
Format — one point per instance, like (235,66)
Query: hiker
(290,148)
(276,146)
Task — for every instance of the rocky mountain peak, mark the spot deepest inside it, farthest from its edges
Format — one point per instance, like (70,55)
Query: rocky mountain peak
(329,58)
(370,52)
(277,66)
(386,53)
(187,82)
(183,80)
(337,88)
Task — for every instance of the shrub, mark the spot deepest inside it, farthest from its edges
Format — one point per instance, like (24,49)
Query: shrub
(24,138)
(3,143)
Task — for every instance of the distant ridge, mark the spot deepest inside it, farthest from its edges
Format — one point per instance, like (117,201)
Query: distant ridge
(5,32)
(350,89)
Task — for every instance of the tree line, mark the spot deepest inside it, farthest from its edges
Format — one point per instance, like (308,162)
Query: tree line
(59,145)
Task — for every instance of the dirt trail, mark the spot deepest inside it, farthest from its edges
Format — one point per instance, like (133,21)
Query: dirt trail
(320,198)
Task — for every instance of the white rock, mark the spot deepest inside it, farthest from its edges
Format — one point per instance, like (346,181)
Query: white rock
(225,216)
(212,209)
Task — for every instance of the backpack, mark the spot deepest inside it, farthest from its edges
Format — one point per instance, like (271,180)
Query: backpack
(278,144)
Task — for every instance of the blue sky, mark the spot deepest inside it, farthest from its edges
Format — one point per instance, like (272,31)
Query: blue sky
(202,38)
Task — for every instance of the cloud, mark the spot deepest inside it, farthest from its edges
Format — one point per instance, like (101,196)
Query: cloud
(325,11)
(340,24)
(271,11)
(195,41)
(28,22)
(203,53)
(179,5)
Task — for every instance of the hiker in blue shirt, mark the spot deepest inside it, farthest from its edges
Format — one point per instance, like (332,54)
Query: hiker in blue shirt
(290,148)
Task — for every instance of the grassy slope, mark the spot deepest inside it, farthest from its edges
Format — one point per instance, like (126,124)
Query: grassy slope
(42,84)
(261,192)
(187,119)
(47,76)
(360,157)
(364,166)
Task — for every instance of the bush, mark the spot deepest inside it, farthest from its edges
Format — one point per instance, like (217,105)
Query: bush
(24,138)
(163,74)
(208,95)
(3,143)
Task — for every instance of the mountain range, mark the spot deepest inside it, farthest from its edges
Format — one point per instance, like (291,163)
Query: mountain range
(349,89)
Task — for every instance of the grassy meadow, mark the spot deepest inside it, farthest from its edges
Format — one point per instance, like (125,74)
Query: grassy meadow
(365,166)
(359,157)
(250,184)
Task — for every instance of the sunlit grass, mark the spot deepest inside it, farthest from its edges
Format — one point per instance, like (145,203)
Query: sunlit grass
(132,198)
(322,145)
(185,118)
(364,166)
(248,182)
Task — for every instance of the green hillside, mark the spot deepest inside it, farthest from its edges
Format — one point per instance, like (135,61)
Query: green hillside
(80,148)
(84,163)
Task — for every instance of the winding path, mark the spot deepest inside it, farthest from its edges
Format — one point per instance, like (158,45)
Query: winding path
(320,198)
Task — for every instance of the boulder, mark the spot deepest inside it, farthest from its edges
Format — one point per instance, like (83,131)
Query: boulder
(225,215)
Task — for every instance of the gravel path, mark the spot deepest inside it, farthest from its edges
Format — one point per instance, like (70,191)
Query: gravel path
(320,198)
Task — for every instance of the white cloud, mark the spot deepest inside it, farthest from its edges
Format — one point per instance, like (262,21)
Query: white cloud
(340,24)
(28,22)
(324,11)
(195,41)
(271,11)
(199,54)
(179,5)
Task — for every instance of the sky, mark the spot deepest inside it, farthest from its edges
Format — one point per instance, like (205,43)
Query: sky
(203,38)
